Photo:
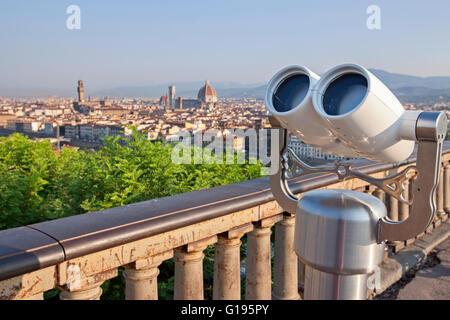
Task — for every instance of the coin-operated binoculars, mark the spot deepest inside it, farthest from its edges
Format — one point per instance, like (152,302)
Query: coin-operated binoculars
(340,234)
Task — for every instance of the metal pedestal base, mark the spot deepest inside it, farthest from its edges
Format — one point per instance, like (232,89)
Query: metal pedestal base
(321,285)
(336,239)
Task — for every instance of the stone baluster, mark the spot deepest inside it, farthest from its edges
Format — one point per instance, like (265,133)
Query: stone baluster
(301,276)
(439,199)
(379,193)
(189,270)
(227,264)
(258,272)
(446,191)
(92,292)
(393,214)
(85,288)
(393,208)
(404,207)
(141,277)
(285,279)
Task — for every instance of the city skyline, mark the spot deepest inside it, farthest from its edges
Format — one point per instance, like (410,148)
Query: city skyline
(401,84)
(243,42)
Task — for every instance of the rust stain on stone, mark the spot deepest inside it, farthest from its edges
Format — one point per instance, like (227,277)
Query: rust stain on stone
(13,294)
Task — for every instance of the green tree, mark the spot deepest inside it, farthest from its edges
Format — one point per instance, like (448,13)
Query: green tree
(38,184)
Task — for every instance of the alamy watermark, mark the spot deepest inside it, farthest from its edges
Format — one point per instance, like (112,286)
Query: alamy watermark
(374,19)
(237,147)
(374,280)
(73,22)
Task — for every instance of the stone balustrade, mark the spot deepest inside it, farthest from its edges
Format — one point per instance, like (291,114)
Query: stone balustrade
(77,254)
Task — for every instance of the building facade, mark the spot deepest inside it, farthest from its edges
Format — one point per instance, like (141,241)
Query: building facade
(206,96)
(303,150)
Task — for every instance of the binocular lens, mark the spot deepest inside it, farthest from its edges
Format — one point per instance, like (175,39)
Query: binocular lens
(290,93)
(344,94)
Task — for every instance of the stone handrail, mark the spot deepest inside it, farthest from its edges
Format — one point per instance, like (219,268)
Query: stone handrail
(77,254)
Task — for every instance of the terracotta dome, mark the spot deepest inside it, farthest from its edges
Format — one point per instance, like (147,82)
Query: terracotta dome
(207,93)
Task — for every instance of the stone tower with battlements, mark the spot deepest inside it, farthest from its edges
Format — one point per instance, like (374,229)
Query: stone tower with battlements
(80,91)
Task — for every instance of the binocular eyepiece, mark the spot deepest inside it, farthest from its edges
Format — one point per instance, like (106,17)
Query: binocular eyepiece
(348,112)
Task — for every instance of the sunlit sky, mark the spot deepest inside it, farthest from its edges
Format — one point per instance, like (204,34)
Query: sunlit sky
(127,43)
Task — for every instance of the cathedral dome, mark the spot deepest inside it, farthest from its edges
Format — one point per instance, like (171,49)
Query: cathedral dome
(207,94)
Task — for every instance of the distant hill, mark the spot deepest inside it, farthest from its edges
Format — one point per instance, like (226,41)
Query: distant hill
(395,80)
(421,91)
(422,94)
(255,92)
(184,89)
(407,88)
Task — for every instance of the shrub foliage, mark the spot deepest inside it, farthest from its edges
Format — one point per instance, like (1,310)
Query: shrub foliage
(39,184)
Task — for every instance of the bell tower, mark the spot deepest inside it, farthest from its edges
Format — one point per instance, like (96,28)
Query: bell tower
(80,91)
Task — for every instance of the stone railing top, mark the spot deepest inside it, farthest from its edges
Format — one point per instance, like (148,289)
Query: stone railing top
(40,245)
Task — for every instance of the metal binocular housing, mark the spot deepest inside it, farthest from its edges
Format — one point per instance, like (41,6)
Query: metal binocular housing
(348,112)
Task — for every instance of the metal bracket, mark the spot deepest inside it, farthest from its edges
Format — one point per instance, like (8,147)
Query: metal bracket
(393,185)
(431,128)
(278,181)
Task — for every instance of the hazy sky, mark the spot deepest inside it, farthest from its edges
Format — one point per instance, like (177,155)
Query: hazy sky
(126,43)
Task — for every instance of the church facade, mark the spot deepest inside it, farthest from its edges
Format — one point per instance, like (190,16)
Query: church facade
(206,97)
